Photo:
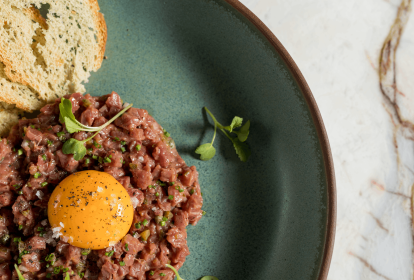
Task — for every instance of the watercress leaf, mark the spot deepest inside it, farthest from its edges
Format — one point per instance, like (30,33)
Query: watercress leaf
(71,126)
(206,151)
(175,271)
(65,108)
(235,123)
(243,132)
(242,149)
(209,278)
(75,147)
(18,272)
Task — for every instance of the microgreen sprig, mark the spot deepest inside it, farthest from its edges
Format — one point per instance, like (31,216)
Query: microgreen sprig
(18,272)
(175,271)
(207,151)
(73,146)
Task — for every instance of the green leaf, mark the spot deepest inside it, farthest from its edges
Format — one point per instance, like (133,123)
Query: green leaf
(243,133)
(209,278)
(75,147)
(206,151)
(65,108)
(18,272)
(235,123)
(67,277)
(242,149)
(71,126)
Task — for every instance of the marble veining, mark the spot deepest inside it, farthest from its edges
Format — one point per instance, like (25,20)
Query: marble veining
(370,122)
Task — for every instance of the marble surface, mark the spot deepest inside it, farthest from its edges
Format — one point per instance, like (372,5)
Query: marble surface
(337,45)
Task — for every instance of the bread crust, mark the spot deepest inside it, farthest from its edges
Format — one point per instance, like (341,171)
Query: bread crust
(102,35)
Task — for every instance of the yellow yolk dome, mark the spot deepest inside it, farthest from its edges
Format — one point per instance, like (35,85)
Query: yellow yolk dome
(90,209)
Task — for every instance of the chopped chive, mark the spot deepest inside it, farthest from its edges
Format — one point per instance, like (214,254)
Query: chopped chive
(138,147)
(65,270)
(59,134)
(32,126)
(16,186)
(162,223)
(181,190)
(107,159)
(37,175)
(138,225)
(204,212)
(44,184)
(121,263)
(145,222)
(87,160)
(126,247)
(17,239)
(81,274)
(123,143)
(49,275)
(40,229)
(109,254)
(95,157)
(44,157)
(191,191)
(19,152)
(170,197)
(20,227)
(49,143)
(85,252)
(20,192)
(164,219)
(97,145)
(166,133)
(171,183)
(116,139)
(14,149)
(151,272)
(162,274)
(123,149)
(157,194)
(160,183)
(56,270)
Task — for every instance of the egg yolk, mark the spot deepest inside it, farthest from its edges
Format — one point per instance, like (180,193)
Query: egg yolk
(90,209)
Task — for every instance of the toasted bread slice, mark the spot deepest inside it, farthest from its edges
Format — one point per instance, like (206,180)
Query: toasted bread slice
(44,59)
(9,116)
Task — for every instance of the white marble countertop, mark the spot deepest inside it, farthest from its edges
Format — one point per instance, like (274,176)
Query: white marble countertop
(337,45)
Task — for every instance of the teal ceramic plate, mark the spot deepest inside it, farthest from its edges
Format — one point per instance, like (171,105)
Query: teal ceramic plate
(272,217)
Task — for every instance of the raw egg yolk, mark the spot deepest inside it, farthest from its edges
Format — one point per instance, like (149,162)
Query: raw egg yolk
(90,209)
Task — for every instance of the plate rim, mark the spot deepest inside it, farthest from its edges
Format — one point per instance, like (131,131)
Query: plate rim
(320,129)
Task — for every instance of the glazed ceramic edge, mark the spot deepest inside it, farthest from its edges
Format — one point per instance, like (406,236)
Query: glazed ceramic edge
(320,127)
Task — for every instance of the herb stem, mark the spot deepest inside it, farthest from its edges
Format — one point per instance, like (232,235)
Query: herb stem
(214,119)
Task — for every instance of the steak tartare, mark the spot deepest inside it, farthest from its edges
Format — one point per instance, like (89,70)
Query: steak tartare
(164,192)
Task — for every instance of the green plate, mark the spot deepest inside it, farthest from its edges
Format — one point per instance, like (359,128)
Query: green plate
(272,217)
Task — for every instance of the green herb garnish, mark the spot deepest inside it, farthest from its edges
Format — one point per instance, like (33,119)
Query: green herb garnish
(121,263)
(209,278)
(175,271)
(18,272)
(207,151)
(110,253)
(73,146)
(67,277)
